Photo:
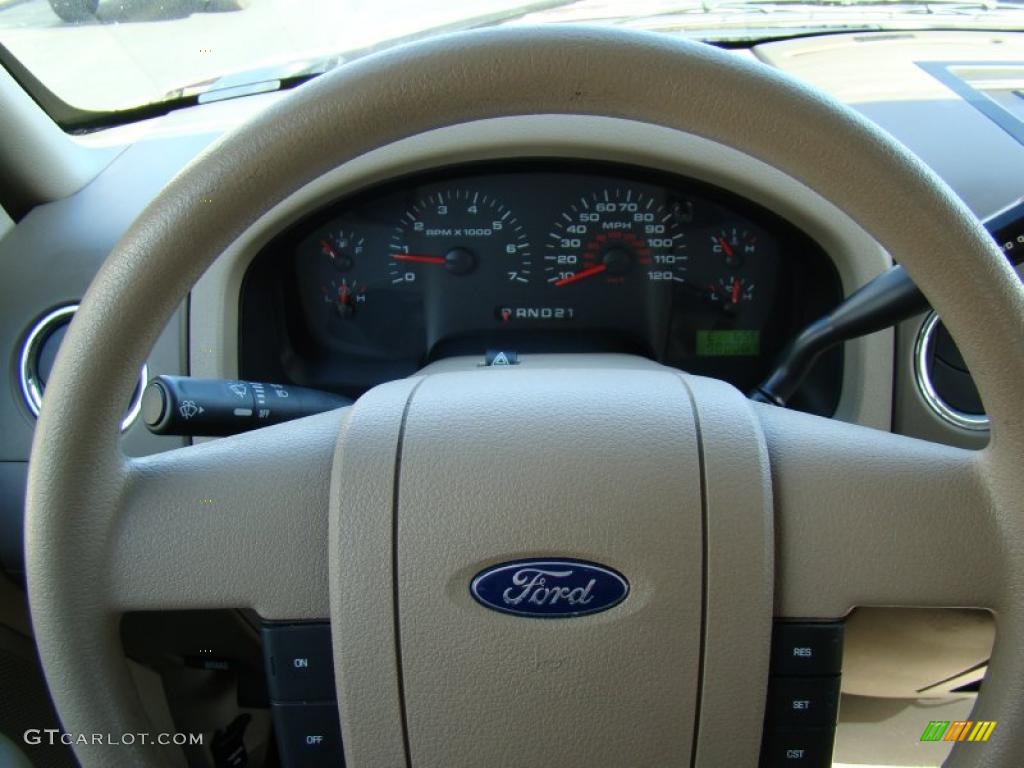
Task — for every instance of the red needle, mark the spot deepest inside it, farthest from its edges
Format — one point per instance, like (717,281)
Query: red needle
(582,274)
(736,286)
(419,259)
(726,247)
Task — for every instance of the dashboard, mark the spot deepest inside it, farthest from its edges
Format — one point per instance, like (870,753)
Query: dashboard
(534,256)
(333,295)
(274,325)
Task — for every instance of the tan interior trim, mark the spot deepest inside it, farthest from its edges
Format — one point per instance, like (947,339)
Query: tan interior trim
(360,540)
(41,161)
(867,381)
(78,476)
(739,576)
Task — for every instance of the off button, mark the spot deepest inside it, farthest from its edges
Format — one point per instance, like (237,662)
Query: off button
(308,735)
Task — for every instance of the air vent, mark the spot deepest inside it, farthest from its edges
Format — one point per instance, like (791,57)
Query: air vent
(40,350)
(943,379)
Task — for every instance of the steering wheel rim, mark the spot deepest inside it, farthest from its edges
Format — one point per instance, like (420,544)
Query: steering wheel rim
(79,480)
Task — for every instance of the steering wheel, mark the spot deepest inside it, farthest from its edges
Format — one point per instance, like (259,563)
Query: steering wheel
(721,513)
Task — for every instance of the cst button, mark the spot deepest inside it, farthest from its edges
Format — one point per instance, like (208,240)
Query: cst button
(807,748)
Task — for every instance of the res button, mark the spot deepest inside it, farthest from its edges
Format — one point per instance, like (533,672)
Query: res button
(807,648)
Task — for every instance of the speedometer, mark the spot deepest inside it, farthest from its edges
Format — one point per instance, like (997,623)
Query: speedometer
(451,231)
(614,235)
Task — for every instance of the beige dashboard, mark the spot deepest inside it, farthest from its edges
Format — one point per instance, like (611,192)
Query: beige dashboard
(880,75)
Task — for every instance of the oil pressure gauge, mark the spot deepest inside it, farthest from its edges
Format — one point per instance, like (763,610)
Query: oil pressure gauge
(342,251)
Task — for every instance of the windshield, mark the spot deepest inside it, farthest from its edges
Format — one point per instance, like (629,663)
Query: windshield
(102,56)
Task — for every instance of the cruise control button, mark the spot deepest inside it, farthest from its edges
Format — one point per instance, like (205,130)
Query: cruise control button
(807,748)
(807,648)
(802,701)
(299,662)
(308,735)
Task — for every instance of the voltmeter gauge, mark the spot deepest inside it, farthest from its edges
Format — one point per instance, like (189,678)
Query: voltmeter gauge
(731,291)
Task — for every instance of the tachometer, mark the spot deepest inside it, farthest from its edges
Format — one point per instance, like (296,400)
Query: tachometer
(615,234)
(451,231)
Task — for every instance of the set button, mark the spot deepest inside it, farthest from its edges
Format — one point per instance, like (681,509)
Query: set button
(795,702)
(803,694)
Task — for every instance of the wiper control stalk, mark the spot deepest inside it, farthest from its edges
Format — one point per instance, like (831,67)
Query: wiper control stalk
(181,405)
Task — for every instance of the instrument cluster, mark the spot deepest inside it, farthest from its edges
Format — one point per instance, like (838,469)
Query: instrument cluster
(529,257)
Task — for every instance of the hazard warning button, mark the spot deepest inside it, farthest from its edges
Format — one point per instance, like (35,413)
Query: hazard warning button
(500,357)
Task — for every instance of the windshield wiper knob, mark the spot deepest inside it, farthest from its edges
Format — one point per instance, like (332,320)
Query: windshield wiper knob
(181,405)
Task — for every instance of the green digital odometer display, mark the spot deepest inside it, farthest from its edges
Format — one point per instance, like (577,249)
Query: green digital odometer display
(728,343)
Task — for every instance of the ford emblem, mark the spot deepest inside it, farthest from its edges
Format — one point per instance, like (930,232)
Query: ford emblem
(549,589)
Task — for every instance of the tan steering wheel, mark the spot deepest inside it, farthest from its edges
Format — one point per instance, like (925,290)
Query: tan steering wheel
(720,512)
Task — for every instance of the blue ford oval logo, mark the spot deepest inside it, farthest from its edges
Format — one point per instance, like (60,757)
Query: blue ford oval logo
(549,589)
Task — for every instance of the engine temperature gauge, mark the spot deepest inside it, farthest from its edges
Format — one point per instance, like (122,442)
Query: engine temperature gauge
(735,244)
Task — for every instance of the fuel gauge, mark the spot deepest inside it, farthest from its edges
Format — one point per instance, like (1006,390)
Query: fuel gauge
(347,297)
(342,249)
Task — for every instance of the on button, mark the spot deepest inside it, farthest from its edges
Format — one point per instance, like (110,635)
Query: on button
(299,662)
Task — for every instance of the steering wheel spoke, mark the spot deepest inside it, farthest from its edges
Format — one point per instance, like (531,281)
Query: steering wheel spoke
(881,519)
(237,522)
